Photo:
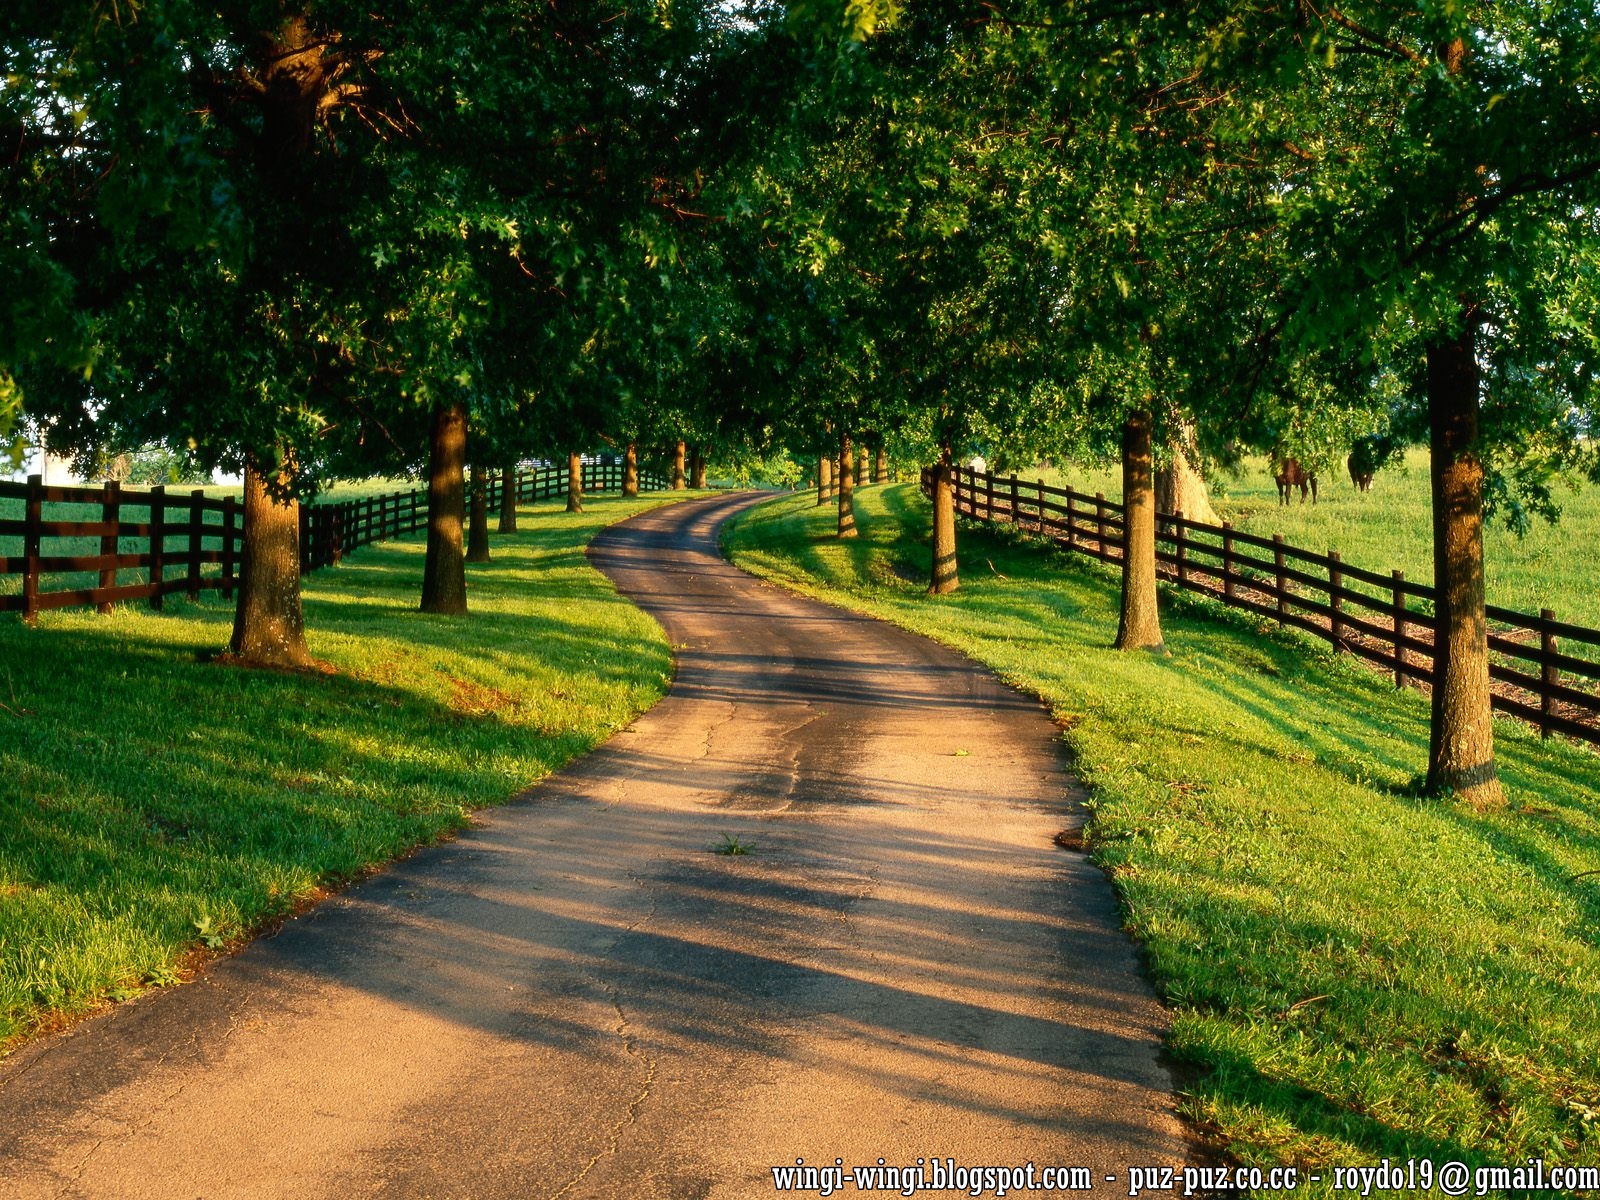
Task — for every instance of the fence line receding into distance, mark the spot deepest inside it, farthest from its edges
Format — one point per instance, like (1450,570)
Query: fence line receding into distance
(100,545)
(1373,616)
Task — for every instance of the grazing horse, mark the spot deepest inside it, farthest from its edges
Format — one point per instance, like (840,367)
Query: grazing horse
(1287,473)
(1361,473)
(1367,455)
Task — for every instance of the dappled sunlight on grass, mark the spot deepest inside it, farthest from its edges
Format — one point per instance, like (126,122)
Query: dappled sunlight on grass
(1358,972)
(144,790)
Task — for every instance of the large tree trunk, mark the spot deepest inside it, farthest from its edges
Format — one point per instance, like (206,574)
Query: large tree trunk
(1180,488)
(268,627)
(575,483)
(1140,628)
(847,488)
(945,578)
(880,466)
(1461,741)
(697,469)
(630,470)
(478,518)
(824,479)
(444,571)
(508,500)
(678,454)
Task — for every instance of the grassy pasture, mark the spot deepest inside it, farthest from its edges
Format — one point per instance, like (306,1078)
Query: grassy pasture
(1355,972)
(152,803)
(1390,528)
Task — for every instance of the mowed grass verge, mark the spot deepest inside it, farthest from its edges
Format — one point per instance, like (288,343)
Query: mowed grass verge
(152,804)
(1356,972)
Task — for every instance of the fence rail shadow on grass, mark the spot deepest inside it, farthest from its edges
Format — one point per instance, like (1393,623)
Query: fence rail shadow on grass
(1379,618)
(98,545)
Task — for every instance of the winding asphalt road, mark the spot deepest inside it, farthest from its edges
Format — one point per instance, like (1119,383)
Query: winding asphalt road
(580,998)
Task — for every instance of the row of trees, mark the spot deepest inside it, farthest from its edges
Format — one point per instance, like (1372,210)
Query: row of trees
(304,239)
(308,240)
(1179,230)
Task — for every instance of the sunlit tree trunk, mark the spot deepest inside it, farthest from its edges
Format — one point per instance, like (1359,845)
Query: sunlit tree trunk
(1180,488)
(478,518)
(824,479)
(697,472)
(574,482)
(945,578)
(268,625)
(630,470)
(444,571)
(880,465)
(508,500)
(1461,736)
(678,454)
(1140,628)
(847,488)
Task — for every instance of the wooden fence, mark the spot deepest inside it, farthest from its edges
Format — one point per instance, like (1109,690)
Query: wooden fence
(1384,619)
(98,545)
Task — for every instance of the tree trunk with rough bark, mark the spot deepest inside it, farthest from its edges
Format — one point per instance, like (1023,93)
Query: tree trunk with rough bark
(630,470)
(1180,488)
(880,466)
(847,488)
(1140,628)
(678,454)
(574,482)
(444,571)
(478,518)
(508,500)
(1461,733)
(945,579)
(697,469)
(824,479)
(268,626)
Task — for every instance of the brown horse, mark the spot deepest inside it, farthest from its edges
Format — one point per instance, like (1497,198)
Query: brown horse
(1287,473)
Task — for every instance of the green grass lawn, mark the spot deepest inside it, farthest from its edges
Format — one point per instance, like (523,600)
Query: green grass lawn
(1389,528)
(150,800)
(1355,972)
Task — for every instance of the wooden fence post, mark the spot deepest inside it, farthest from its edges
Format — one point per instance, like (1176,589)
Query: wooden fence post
(1335,599)
(230,510)
(1100,524)
(1282,589)
(1072,519)
(1549,677)
(1180,548)
(158,542)
(197,533)
(1016,517)
(1227,560)
(1041,506)
(32,519)
(1397,617)
(111,514)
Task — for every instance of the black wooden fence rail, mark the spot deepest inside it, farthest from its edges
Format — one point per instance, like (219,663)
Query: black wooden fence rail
(151,544)
(1379,618)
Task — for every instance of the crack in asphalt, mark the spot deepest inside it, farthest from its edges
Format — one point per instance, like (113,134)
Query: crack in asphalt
(630,1047)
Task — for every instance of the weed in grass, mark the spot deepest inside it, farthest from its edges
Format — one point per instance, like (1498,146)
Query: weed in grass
(152,804)
(1357,971)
